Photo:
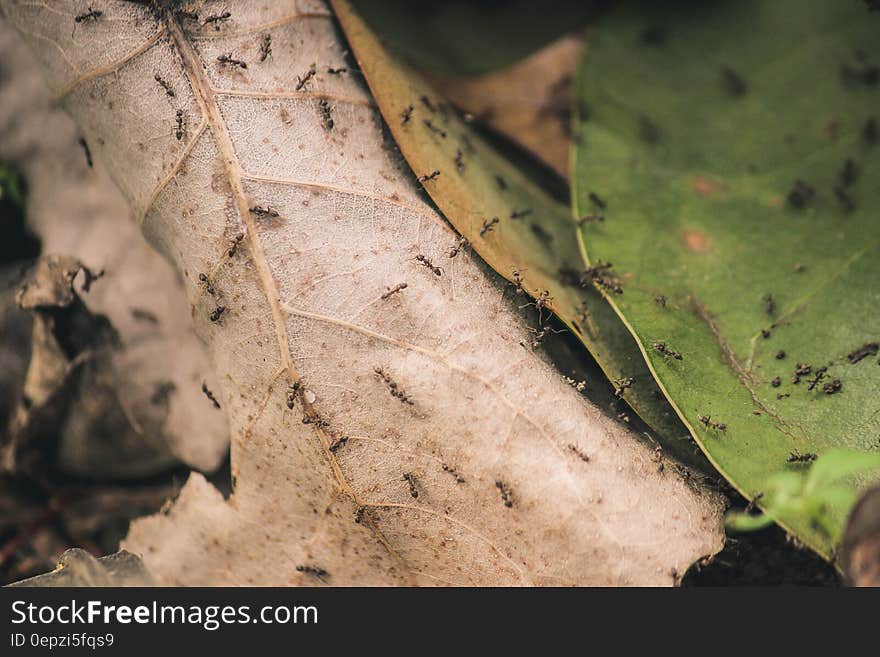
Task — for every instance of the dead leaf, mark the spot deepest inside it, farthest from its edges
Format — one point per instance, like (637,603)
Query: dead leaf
(78,568)
(529,102)
(141,408)
(383,434)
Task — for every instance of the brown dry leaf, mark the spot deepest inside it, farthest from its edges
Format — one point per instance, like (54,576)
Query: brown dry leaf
(529,102)
(79,568)
(139,408)
(380,436)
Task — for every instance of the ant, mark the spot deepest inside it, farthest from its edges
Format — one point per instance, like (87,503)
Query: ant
(406,114)
(91,15)
(327,119)
(337,71)
(579,452)
(597,201)
(518,282)
(209,288)
(540,303)
(502,184)
(666,351)
(591,219)
(801,194)
(833,387)
(87,151)
(167,87)
(424,260)
(429,176)
(428,104)
(181,125)
(234,245)
(451,470)
(302,81)
(411,480)
(314,571)
(797,457)
(392,385)
(394,290)
(291,394)
(433,128)
(488,226)
(519,214)
(217,313)
(210,395)
(216,18)
(460,244)
(265,47)
(769,304)
(506,493)
(540,333)
(264,211)
(817,378)
(229,60)
(338,444)
(660,300)
(459,161)
(707,420)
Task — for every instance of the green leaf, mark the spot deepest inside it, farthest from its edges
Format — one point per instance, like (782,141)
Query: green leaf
(510,221)
(696,142)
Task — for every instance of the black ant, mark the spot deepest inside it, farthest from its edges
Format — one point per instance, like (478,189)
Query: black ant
(396,392)
(769,304)
(506,493)
(92,15)
(265,47)
(519,214)
(167,87)
(326,118)
(428,104)
(540,334)
(864,351)
(451,470)
(230,61)
(707,421)
(579,452)
(302,81)
(217,18)
(410,479)
(597,201)
(394,290)
(488,226)
(502,184)
(429,176)
(797,457)
(292,390)
(666,351)
(518,282)
(264,211)
(817,378)
(314,571)
(336,71)
(86,151)
(424,260)
(459,161)
(209,288)
(460,244)
(833,387)
(591,219)
(433,128)
(338,444)
(776,382)
(540,302)
(217,313)
(406,114)
(181,125)
(660,300)
(780,355)
(210,395)
(233,246)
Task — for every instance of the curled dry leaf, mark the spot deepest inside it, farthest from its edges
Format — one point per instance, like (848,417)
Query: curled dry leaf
(78,568)
(380,437)
(137,407)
